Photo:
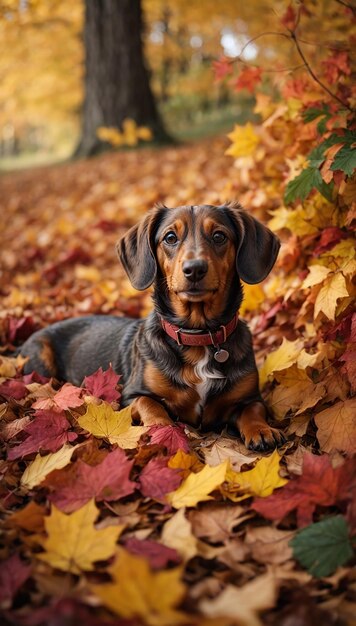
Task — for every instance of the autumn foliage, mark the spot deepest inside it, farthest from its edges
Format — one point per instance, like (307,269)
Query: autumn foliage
(153,524)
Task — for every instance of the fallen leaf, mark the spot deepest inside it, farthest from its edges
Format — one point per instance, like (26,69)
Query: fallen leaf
(337,427)
(157,479)
(14,572)
(177,534)
(68,397)
(324,546)
(158,556)
(216,522)
(102,421)
(13,389)
(48,431)
(196,487)
(296,392)
(139,592)
(73,544)
(320,484)
(107,481)
(30,518)
(36,471)
(280,359)
(244,603)
(244,141)
(170,436)
(261,481)
(103,384)
(226,448)
(333,288)
(317,273)
(185,462)
(268,544)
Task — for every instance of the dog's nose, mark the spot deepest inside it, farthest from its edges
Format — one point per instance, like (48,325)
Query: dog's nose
(195,269)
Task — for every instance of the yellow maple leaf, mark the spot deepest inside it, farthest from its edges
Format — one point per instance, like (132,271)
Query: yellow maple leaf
(294,105)
(73,543)
(196,487)
(244,141)
(260,481)
(254,295)
(186,462)
(9,365)
(129,127)
(37,471)
(280,359)
(111,135)
(296,392)
(102,421)
(296,220)
(177,534)
(317,273)
(333,288)
(337,427)
(137,591)
(144,133)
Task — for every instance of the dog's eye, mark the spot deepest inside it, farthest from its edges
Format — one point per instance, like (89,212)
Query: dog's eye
(219,237)
(170,238)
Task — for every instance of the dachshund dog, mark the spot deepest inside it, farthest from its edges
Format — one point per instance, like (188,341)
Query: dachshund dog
(192,357)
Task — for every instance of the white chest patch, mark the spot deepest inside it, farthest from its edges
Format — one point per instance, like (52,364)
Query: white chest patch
(206,374)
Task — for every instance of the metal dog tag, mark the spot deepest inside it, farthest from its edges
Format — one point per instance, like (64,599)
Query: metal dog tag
(221,356)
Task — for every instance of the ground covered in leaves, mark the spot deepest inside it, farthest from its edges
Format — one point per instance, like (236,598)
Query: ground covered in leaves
(110,523)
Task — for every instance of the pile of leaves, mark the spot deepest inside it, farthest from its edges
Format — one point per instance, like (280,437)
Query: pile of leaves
(113,523)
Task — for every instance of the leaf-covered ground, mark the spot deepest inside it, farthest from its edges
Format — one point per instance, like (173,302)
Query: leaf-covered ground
(108,523)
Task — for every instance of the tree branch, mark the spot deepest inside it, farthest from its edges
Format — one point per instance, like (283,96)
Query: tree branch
(314,76)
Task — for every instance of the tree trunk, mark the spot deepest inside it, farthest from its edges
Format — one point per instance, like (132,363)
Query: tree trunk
(116,79)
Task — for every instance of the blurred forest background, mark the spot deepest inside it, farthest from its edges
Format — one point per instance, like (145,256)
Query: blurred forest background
(42,65)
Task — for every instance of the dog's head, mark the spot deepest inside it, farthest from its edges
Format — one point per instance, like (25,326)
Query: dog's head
(197,253)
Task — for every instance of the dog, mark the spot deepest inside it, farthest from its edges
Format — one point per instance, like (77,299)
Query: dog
(192,357)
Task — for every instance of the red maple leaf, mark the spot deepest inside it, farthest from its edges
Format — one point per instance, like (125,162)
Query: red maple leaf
(13,389)
(48,431)
(68,396)
(222,68)
(157,479)
(296,88)
(172,437)
(248,78)
(335,66)
(320,484)
(329,238)
(13,574)
(103,384)
(79,482)
(20,329)
(158,555)
(289,18)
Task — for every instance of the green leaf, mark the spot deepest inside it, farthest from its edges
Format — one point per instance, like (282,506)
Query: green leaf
(314,112)
(301,186)
(345,160)
(321,125)
(323,546)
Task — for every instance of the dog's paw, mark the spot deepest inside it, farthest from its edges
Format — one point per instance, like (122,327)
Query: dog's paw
(263,438)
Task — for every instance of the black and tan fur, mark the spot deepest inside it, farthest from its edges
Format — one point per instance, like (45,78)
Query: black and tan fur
(162,379)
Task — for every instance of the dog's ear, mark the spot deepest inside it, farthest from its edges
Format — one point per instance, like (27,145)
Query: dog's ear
(257,247)
(136,250)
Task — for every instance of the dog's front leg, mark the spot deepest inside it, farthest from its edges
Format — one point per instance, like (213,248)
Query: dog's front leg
(254,430)
(149,412)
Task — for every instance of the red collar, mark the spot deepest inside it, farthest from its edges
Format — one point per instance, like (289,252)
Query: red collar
(198,337)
